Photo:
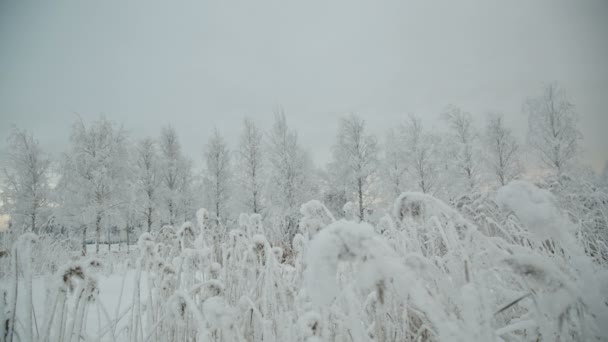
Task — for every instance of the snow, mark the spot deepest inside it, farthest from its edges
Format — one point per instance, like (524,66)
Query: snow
(342,241)
(535,208)
(315,217)
(425,271)
(115,295)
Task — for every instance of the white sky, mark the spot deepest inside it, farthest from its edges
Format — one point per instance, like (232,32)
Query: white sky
(200,64)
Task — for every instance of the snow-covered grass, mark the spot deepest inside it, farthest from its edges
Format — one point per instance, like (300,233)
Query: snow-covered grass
(509,267)
(108,301)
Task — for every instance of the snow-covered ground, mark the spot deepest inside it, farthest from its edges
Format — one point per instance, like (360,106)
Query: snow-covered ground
(115,298)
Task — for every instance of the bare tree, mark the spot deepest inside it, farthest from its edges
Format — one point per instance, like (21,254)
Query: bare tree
(552,130)
(217,173)
(461,124)
(26,185)
(251,164)
(502,149)
(356,159)
(421,152)
(147,179)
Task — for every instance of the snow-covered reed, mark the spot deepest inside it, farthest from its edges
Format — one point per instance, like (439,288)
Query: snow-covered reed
(506,267)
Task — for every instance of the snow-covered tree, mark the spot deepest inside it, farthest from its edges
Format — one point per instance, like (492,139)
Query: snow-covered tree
(355,156)
(465,136)
(552,128)
(290,168)
(502,149)
(332,190)
(421,153)
(250,165)
(173,168)
(188,186)
(96,172)
(218,174)
(147,180)
(394,164)
(26,185)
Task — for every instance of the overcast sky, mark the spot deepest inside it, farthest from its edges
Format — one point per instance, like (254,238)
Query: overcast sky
(205,64)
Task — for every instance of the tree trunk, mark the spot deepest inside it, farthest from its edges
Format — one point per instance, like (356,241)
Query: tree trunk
(171,221)
(84,240)
(360,188)
(97,232)
(255,202)
(217,211)
(149,220)
(128,240)
(33,222)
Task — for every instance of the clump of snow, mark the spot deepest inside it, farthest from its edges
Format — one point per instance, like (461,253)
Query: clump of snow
(208,289)
(278,253)
(202,218)
(315,216)
(385,225)
(350,211)
(259,241)
(535,208)
(421,207)
(243,221)
(186,235)
(342,241)
(166,235)
(215,270)
(255,224)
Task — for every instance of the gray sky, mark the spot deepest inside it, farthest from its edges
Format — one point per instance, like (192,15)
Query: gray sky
(200,64)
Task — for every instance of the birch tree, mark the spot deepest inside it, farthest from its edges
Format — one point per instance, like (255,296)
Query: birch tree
(502,149)
(250,165)
(356,159)
(394,163)
(26,185)
(461,124)
(290,170)
(421,154)
(552,128)
(98,174)
(147,180)
(217,173)
(186,187)
(171,163)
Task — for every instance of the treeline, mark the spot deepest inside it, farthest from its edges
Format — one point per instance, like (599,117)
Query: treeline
(107,182)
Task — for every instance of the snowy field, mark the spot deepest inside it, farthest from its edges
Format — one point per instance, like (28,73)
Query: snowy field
(424,272)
